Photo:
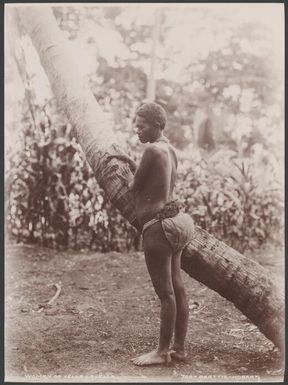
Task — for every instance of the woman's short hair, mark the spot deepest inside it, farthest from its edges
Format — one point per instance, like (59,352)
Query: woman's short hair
(152,113)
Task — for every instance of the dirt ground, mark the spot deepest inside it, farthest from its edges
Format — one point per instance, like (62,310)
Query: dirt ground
(107,313)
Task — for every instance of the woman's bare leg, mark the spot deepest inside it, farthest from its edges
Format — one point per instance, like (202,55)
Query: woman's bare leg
(182,315)
(158,257)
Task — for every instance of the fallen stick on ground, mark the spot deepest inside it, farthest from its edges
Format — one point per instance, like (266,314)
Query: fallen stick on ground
(55,296)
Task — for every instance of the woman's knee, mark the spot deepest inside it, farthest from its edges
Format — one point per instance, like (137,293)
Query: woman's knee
(179,288)
(165,294)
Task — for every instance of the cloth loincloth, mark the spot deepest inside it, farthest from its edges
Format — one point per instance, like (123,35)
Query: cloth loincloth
(178,227)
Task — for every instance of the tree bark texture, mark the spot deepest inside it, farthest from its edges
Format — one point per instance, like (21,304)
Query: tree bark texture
(240,280)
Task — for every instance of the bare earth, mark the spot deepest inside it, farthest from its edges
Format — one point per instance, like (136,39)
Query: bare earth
(107,313)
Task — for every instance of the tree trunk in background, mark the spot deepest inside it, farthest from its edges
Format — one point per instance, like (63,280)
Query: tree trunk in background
(151,82)
(205,131)
(242,281)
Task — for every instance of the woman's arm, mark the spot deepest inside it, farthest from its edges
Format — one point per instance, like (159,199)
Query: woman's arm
(143,169)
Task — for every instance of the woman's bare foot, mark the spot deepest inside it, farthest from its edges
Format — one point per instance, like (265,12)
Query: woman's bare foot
(152,358)
(178,355)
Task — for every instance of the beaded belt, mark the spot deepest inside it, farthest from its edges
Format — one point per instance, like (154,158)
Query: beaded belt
(171,209)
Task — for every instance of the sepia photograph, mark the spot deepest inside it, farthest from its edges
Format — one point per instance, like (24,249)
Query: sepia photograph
(144,192)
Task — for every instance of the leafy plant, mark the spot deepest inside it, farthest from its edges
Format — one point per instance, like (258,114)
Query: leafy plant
(229,202)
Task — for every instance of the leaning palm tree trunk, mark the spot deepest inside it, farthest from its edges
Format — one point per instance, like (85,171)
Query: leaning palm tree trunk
(242,281)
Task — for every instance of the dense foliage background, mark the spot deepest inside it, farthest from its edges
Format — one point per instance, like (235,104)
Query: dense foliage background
(219,75)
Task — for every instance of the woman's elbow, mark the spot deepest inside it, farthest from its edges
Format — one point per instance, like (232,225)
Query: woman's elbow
(131,186)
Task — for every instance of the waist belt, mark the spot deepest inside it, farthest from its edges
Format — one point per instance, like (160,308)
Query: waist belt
(170,210)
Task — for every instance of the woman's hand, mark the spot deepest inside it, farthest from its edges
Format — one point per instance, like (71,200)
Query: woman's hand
(125,158)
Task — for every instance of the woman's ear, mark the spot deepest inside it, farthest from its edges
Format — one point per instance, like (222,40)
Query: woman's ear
(157,125)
